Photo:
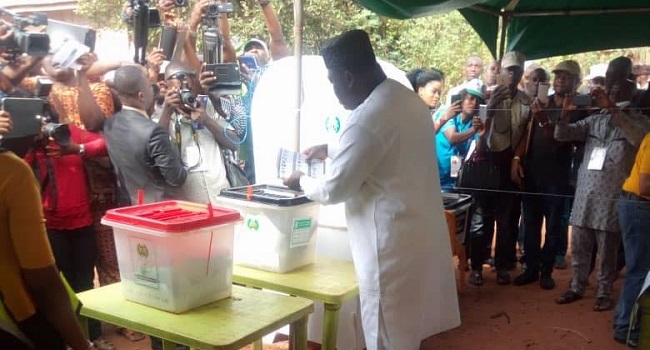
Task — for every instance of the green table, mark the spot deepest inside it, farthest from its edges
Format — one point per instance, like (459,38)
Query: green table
(329,281)
(226,324)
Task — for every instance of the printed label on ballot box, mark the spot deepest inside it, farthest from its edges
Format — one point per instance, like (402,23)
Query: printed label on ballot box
(300,233)
(145,268)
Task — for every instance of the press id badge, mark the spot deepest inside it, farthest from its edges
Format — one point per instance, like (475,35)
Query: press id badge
(455,164)
(193,159)
(597,158)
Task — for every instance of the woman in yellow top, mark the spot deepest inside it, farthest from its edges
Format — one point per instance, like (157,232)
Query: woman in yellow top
(32,291)
(634,219)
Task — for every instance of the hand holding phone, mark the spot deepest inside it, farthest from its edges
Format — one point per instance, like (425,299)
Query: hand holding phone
(5,123)
(249,61)
(502,78)
(227,78)
(581,100)
(482,113)
(542,93)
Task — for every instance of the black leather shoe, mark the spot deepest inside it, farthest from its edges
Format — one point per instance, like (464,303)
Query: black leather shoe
(526,278)
(546,282)
(604,304)
(630,343)
(568,297)
(503,278)
(476,278)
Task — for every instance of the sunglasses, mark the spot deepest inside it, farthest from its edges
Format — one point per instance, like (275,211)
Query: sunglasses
(181,75)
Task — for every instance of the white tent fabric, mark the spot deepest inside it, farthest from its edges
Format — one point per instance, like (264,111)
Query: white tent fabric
(272,115)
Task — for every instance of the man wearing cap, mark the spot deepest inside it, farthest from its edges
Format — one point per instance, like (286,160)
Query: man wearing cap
(508,115)
(543,165)
(455,137)
(596,77)
(201,133)
(612,138)
(380,169)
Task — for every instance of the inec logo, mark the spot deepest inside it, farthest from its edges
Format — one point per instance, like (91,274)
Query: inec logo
(253,224)
(142,250)
(333,124)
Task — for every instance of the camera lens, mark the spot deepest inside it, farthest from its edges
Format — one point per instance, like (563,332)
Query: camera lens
(59,132)
(213,10)
(187,98)
(180,3)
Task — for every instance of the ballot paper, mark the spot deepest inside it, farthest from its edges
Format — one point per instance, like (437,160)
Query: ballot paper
(68,54)
(290,161)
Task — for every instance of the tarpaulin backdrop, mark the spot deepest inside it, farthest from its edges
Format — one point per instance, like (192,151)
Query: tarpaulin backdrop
(539,28)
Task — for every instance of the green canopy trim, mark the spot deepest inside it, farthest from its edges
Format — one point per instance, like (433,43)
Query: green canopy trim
(539,28)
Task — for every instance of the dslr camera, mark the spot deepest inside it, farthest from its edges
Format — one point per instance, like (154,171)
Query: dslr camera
(181,3)
(32,44)
(189,102)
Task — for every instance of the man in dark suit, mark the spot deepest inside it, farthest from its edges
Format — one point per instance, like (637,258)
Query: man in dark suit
(140,150)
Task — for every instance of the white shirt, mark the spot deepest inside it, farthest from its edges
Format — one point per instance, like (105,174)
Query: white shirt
(207,174)
(385,171)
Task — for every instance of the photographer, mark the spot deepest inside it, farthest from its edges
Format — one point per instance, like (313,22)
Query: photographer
(34,296)
(76,179)
(200,132)
(199,11)
(12,72)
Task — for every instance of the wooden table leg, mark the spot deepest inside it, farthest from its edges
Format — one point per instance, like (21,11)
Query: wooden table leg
(330,326)
(298,334)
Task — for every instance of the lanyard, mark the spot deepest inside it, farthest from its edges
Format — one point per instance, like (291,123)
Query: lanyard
(179,141)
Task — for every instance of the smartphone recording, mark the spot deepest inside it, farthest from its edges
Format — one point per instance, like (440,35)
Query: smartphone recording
(581,100)
(249,61)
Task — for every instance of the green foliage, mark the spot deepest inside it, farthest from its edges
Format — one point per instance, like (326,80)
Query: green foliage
(102,13)
(442,41)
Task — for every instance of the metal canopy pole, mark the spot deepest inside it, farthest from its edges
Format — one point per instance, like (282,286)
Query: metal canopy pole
(297,51)
(506,15)
(505,19)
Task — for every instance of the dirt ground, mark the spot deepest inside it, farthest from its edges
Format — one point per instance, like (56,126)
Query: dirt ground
(507,317)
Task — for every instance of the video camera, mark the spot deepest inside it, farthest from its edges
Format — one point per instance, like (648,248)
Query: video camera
(227,74)
(143,19)
(32,125)
(33,44)
(215,8)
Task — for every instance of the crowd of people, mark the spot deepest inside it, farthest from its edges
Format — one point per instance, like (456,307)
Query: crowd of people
(563,157)
(546,154)
(130,130)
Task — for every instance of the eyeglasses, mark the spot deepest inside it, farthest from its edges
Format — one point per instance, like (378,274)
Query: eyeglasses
(181,75)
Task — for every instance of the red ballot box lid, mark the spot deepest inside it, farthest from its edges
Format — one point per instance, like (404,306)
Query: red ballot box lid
(172,216)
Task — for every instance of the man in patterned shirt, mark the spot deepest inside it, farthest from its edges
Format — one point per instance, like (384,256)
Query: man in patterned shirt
(612,138)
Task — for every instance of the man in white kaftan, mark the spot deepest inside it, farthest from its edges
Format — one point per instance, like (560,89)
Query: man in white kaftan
(385,171)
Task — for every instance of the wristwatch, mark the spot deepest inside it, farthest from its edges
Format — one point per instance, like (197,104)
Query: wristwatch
(82,150)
